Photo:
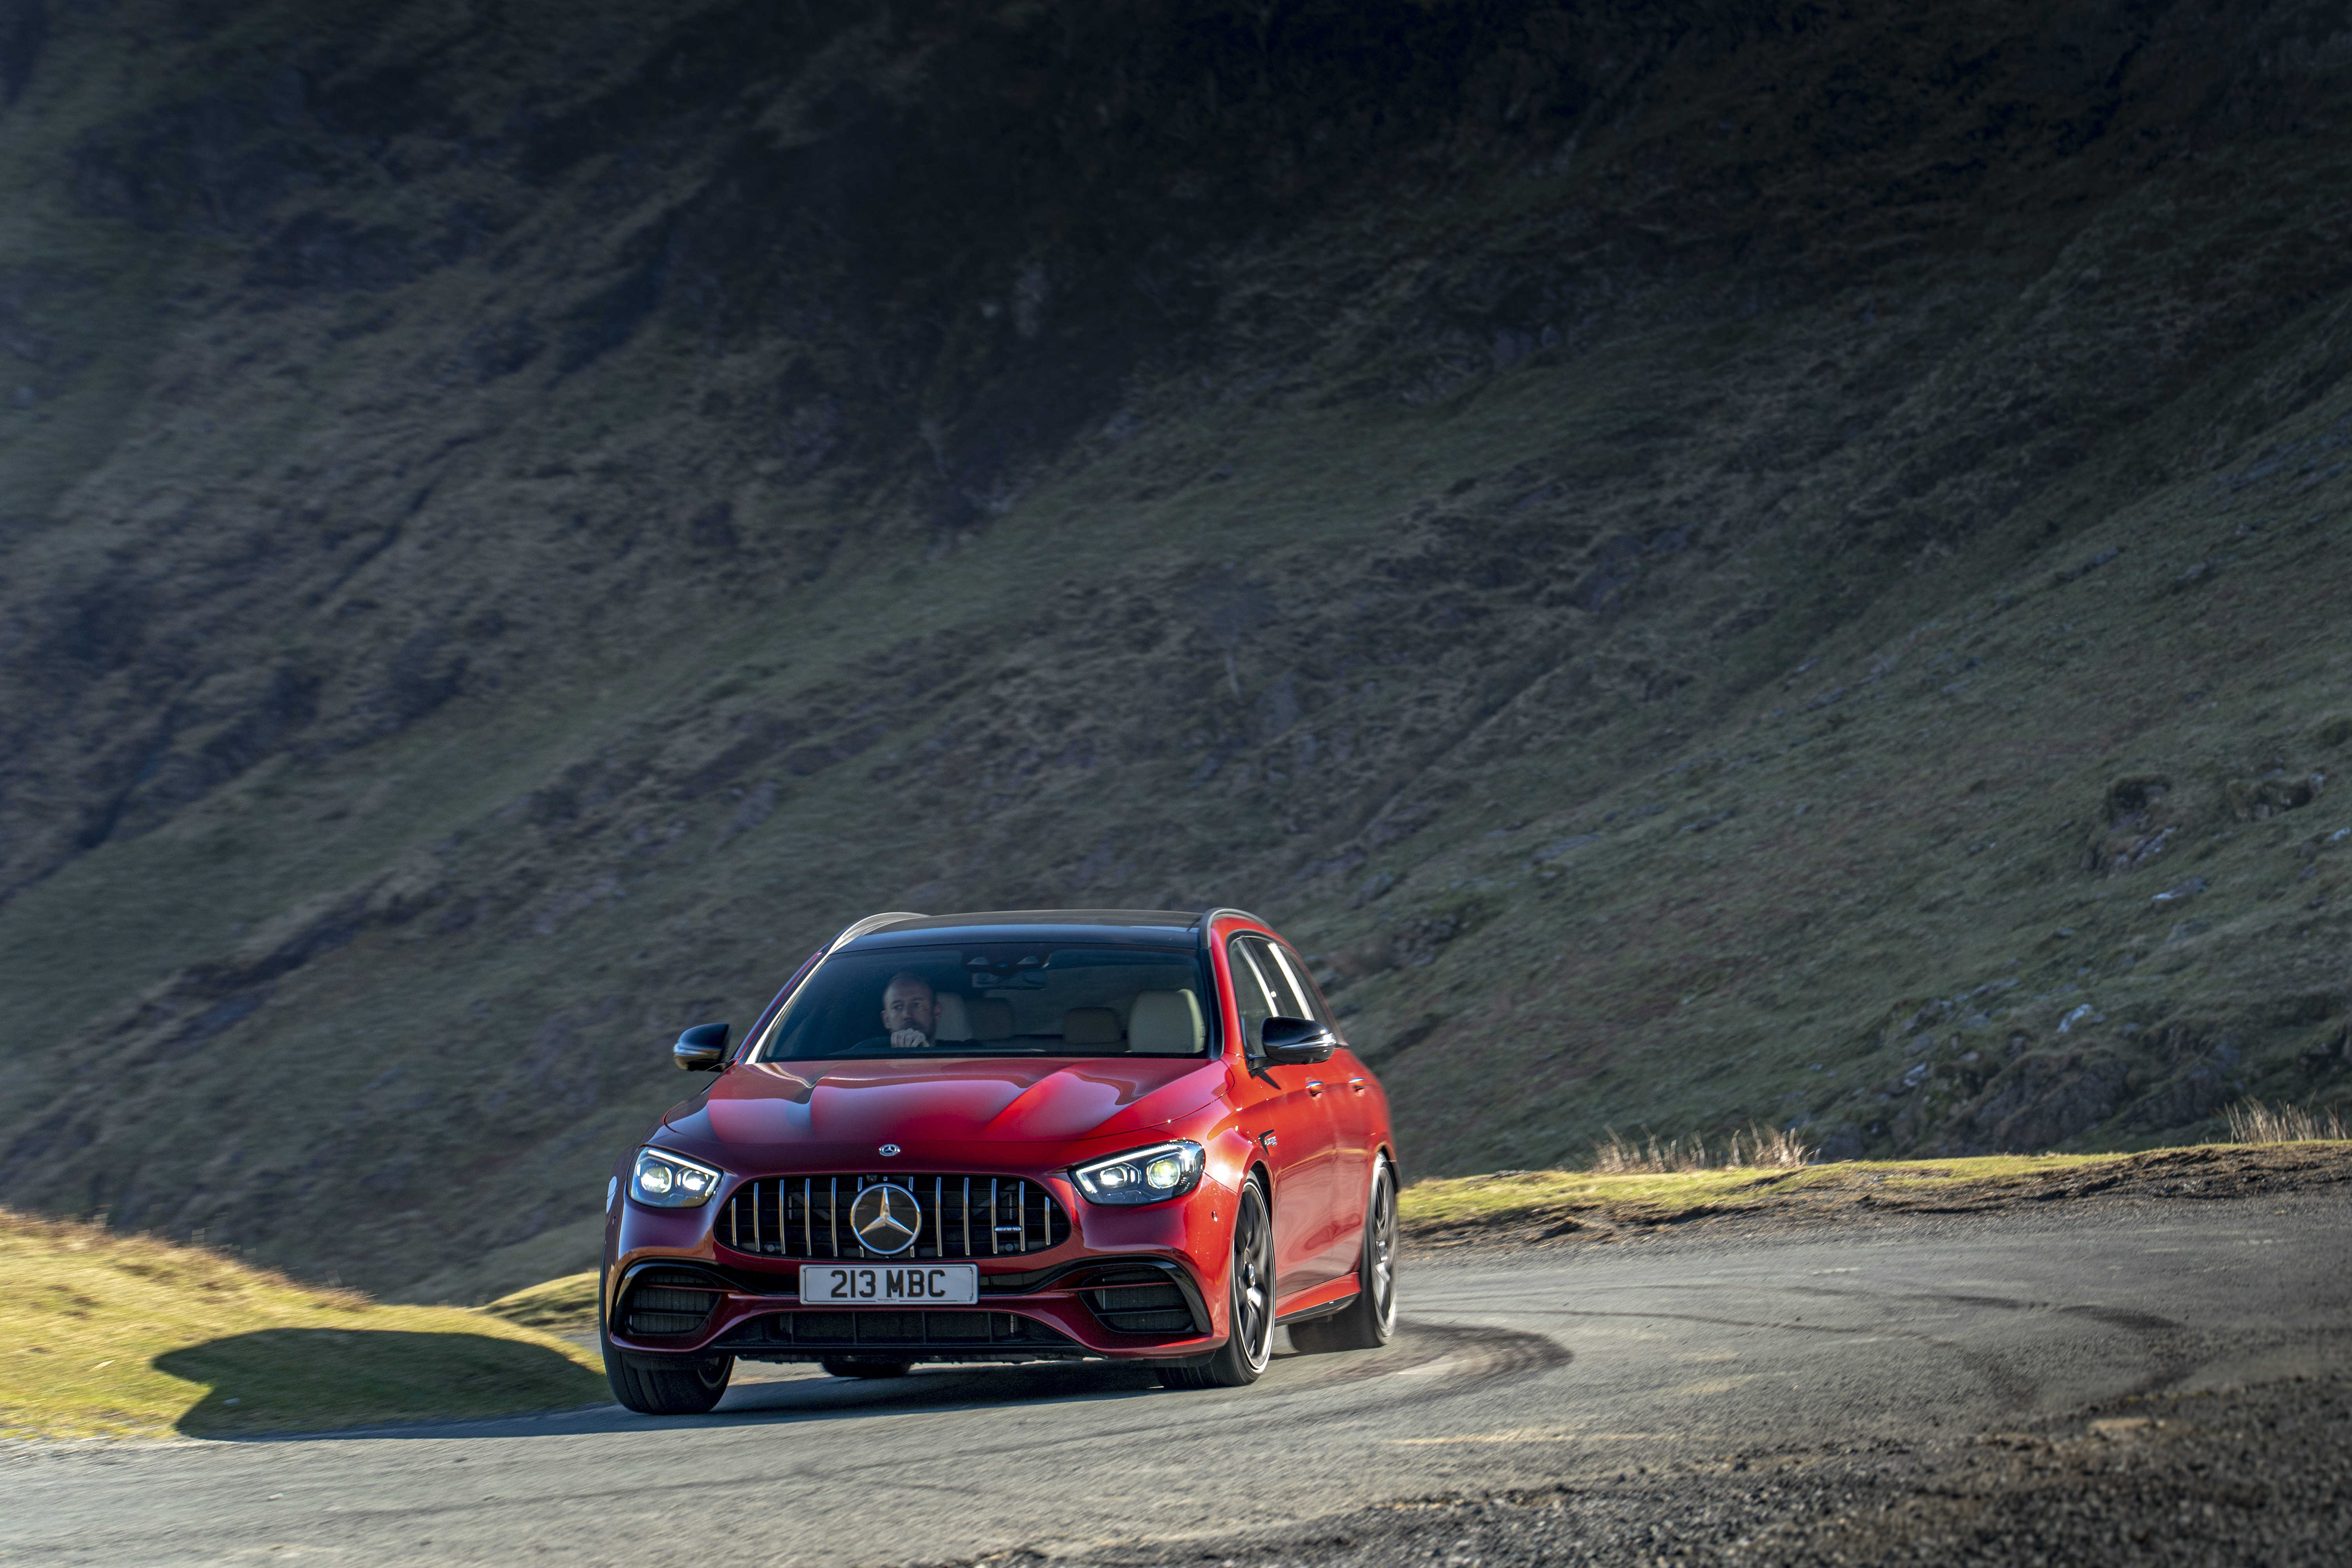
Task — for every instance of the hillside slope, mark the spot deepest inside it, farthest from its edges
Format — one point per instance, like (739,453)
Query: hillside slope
(1711,562)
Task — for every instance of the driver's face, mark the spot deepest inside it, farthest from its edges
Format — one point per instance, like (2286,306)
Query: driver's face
(909,1006)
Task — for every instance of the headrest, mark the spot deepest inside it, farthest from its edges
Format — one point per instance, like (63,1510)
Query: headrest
(992,1017)
(1167,1023)
(1090,1027)
(953,1023)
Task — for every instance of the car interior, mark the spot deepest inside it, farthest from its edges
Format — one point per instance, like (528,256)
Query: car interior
(1095,1002)
(1157,1023)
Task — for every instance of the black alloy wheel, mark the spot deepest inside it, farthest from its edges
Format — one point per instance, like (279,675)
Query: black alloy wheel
(867,1368)
(1368,1319)
(1250,1345)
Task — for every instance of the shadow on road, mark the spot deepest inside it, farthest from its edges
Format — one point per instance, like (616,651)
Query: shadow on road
(1427,1354)
(292,1380)
(1437,1351)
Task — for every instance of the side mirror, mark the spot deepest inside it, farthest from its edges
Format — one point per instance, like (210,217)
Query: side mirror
(1296,1042)
(703,1048)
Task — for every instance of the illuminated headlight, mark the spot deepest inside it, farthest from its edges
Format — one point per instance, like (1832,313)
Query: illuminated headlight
(667,1181)
(1142,1176)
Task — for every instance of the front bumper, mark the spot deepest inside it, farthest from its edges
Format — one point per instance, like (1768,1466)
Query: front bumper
(1123,1307)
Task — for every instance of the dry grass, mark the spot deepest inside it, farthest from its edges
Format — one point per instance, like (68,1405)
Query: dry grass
(109,1335)
(1653,1192)
(2252,1121)
(1758,1149)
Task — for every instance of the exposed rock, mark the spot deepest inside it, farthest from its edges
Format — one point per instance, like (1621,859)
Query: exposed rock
(2037,1102)
(2255,799)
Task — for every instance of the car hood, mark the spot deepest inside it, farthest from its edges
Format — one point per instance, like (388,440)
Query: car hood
(859,1104)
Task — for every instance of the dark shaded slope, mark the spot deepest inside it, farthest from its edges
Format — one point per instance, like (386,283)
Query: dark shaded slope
(606,502)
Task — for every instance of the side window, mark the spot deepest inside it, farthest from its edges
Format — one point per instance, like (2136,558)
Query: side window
(1309,1000)
(1252,996)
(1278,988)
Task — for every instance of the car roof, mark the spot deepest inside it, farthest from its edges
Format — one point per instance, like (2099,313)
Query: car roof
(1140,928)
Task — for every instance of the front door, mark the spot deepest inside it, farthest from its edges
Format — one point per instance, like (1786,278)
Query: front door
(1296,1107)
(1338,1250)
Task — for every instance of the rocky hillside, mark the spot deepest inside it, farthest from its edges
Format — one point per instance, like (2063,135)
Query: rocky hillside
(1713,562)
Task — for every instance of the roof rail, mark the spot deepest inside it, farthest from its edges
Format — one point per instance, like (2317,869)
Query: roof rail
(1209,918)
(873,922)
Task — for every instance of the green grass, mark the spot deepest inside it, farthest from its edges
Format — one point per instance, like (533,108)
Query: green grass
(129,1336)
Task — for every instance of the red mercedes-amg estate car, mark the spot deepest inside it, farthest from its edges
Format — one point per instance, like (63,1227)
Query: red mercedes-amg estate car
(1132,1135)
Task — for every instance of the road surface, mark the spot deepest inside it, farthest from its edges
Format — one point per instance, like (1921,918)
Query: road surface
(1515,1369)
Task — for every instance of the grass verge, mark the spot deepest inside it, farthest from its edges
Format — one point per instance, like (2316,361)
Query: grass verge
(1533,1205)
(109,1335)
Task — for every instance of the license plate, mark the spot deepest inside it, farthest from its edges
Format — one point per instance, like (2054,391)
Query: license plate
(900,1284)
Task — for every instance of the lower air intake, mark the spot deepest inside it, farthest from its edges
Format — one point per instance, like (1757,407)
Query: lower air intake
(1155,1308)
(661,1304)
(894,1331)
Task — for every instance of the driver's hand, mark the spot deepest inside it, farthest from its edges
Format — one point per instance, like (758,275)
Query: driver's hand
(911,1040)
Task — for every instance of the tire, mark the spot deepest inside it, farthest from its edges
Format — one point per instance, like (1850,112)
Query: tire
(1250,1286)
(868,1368)
(692,1388)
(1366,1322)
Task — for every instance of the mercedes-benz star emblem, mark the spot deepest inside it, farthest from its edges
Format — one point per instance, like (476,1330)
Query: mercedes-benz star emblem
(889,1151)
(886,1218)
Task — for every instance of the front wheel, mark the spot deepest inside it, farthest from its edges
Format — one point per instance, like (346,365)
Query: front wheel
(690,1388)
(1370,1318)
(1250,1344)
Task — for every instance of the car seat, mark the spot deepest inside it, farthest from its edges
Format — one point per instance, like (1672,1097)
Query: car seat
(1090,1027)
(954,1023)
(981,1018)
(1166,1022)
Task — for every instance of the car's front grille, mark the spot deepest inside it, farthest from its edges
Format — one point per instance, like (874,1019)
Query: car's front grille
(963,1216)
(1139,1301)
(892,1330)
(667,1301)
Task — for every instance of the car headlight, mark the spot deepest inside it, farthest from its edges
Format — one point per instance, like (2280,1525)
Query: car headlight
(665,1181)
(1142,1176)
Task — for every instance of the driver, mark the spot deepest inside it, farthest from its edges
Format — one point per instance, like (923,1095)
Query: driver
(910,1012)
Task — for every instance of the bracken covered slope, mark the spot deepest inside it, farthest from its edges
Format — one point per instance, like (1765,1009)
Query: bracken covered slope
(1712,563)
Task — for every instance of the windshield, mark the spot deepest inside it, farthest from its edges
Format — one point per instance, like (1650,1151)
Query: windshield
(998,1001)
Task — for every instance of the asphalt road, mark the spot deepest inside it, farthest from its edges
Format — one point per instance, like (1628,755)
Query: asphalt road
(1516,1369)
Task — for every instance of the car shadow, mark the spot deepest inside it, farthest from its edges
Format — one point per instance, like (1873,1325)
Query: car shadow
(786,1395)
(278,1381)
(934,1387)
(765,1395)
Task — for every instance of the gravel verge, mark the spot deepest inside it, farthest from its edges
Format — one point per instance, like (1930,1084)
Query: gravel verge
(2258,1475)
